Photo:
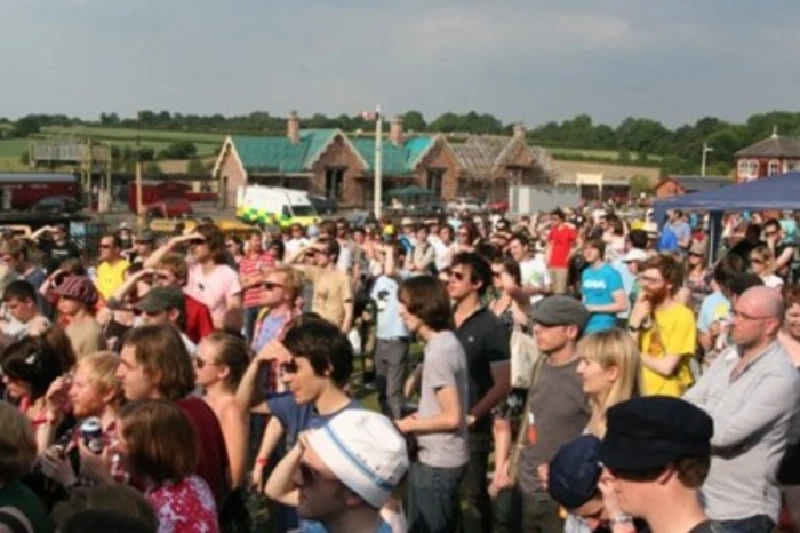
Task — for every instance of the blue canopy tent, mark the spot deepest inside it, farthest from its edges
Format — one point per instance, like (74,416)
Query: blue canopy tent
(774,192)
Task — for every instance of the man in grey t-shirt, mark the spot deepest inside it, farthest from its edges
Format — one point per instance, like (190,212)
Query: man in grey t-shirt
(558,409)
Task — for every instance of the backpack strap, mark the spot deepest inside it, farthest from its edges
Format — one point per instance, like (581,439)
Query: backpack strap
(14,520)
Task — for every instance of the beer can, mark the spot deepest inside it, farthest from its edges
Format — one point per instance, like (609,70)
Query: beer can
(92,434)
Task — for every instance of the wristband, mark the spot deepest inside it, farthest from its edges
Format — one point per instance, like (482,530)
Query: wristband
(262,461)
(621,519)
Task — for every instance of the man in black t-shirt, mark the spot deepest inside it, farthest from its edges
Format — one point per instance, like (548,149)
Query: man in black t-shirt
(657,454)
(56,246)
(486,345)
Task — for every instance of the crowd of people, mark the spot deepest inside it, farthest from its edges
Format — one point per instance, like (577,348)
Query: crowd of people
(569,371)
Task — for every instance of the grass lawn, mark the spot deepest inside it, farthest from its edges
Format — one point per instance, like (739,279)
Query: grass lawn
(130,134)
(612,155)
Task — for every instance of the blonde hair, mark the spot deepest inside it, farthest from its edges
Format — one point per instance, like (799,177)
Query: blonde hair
(17,442)
(613,348)
(102,373)
(292,280)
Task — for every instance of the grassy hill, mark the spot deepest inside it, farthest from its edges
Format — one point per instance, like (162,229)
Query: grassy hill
(11,150)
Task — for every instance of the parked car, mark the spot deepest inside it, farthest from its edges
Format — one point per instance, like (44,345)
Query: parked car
(170,208)
(323,205)
(498,206)
(56,205)
(458,205)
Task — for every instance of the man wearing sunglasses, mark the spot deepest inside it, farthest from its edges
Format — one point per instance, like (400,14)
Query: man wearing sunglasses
(751,391)
(112,267)
(333,292)
(486,345)
(344,472)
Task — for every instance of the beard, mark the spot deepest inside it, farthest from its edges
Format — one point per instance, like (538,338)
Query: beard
(656,297)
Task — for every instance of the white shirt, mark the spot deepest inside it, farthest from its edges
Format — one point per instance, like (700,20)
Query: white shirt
(534,273)
(773,281)
(293,245)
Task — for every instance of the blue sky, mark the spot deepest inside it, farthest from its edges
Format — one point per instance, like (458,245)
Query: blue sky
(534,61)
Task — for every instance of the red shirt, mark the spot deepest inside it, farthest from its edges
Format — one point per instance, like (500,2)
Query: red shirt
(213,465)
(561,240)
(185,507)
(198,319)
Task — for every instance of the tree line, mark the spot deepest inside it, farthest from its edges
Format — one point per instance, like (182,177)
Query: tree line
(679,150)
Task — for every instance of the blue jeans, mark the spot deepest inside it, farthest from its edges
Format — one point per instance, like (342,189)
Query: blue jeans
(760,523)
(433,503)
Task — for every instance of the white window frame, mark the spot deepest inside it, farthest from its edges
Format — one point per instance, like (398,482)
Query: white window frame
(773,167)
(743,168)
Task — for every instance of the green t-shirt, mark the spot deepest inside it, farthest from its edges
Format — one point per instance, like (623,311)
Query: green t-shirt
(20,497)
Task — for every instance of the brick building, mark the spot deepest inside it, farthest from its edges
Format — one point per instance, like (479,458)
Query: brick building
(772,156)
(327,162)
(677,185)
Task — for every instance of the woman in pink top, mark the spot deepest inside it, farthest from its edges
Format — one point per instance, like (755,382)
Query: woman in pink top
(162,450)
(211,281)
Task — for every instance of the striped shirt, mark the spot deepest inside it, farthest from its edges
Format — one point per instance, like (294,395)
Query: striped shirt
(251,266)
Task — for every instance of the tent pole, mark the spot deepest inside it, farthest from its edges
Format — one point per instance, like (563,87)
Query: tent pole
(715,236)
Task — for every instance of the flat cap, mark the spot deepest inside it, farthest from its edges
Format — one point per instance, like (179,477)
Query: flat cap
(560,310)
(162,299)
(650,432)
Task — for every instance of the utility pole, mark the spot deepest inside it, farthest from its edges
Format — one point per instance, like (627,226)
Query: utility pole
(706,149)
(378,161)
(139,202)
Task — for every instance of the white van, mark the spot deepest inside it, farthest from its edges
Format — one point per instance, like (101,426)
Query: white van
(273,205)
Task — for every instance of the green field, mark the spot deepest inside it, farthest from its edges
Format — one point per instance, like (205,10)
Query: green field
(11,150)
(611,155)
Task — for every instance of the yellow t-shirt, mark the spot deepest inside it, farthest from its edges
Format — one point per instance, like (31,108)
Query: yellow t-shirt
(674,333)
(110,276)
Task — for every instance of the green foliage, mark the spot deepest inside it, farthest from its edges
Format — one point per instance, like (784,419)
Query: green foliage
(25,158)
(179,150)
(196,168)
(640,184)
(26,126)
(414,121)
(151,168)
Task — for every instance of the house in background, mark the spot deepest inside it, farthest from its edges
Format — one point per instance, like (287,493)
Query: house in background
(489,164)
(329,163)
(774,155)
(677,185)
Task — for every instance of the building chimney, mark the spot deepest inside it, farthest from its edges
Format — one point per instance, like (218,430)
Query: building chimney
(293,127)
(396,130)
(520,130)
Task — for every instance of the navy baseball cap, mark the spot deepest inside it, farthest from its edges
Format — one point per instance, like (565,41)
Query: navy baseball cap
(575,472)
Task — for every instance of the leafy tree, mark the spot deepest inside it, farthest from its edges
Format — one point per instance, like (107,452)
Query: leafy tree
(414,121)
(26,126)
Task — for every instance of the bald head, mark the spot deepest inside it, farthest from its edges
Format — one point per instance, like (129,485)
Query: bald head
(763,301)
(757,317)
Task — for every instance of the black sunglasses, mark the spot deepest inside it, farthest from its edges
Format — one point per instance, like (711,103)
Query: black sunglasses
(269,285)
(458,275)
(307,474)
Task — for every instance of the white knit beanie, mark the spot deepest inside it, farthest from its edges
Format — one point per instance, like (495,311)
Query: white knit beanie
(365,451)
